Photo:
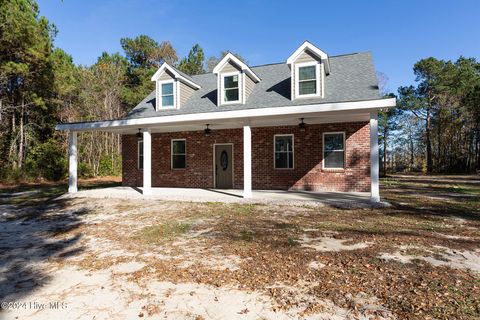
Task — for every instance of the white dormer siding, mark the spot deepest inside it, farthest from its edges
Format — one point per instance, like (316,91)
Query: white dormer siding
(309,67)
(235,81)
(172,88)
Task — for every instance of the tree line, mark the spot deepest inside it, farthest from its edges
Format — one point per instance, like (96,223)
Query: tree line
(41,86)
(434,128)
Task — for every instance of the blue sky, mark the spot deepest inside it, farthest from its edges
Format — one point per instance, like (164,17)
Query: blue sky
(398,33)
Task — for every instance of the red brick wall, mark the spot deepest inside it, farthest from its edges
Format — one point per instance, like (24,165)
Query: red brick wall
(199,170)
(306,175)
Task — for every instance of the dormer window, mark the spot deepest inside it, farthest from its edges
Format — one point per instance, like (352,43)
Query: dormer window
(308,82)
(167,94)
(172,87)
(235,80)
(309,67)
(231,88)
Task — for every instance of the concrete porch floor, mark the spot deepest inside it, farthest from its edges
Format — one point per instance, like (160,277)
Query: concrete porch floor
(340,199)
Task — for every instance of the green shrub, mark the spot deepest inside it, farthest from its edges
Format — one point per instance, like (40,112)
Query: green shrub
(108,167)
(9,175)
(84,170)
(47,160)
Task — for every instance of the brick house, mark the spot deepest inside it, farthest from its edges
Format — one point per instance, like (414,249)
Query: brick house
(307,124)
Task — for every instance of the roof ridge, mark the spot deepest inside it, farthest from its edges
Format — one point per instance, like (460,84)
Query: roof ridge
(349,54)
(278,63)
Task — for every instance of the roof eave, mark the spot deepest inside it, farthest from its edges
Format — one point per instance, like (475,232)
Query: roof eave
(367,105)
(320,54)
(166,66)
(245,68)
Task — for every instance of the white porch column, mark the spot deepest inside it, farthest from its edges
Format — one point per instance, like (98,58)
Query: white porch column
(72,162)
(147,162)
(374,165)
(247,160)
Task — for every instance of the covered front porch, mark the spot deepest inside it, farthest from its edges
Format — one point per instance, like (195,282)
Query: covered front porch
(282,197)
(244,120)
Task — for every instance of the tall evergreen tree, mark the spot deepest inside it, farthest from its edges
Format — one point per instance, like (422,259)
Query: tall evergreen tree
(194,62)
(144,55)
(387,123)
(213,61)
(26,78)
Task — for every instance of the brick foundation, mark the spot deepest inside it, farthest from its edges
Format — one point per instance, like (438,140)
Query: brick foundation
(307,173)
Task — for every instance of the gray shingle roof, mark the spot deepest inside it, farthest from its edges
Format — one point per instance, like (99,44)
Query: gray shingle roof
(352,78)
(186,76)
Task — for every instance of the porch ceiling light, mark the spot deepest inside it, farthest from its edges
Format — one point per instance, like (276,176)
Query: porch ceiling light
(139,134)
(302,125)
(207,130)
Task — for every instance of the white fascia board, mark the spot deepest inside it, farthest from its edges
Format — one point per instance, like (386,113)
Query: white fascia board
(177,75)
(188,82)
(238,62)
(316,51)
(235,114)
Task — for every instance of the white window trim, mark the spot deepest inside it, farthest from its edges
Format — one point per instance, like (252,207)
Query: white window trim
(171,154)
(344,151)
(293,150)
(138,155)
(318,75)
(159,94)
(222,89)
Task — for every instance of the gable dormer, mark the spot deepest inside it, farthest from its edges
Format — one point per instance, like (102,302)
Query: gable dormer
(235,80)
(172,87)
(309,67)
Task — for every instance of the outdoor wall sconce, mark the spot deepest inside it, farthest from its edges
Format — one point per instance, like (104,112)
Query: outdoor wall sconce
(207,130)
(302,125)
(139,134)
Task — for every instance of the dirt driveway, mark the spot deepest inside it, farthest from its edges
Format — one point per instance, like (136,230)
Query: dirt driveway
(121,259)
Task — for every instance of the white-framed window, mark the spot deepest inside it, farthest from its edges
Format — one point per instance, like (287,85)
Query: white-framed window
(307,79)
(334,150)
(179,153)
(230,87)
(166,94)
(140,155)
(283,151)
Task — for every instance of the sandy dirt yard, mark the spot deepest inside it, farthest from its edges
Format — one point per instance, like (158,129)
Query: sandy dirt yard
(144,259)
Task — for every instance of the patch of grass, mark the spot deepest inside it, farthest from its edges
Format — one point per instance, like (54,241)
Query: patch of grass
(223,209)
(292,242)
(240,209)
(166,231)
(31,194)
(126,206)
(464,189)
(416,252)
(247,235)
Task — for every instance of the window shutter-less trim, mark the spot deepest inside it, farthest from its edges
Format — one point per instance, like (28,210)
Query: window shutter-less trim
(179,154)
(334,150)
(283,151)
